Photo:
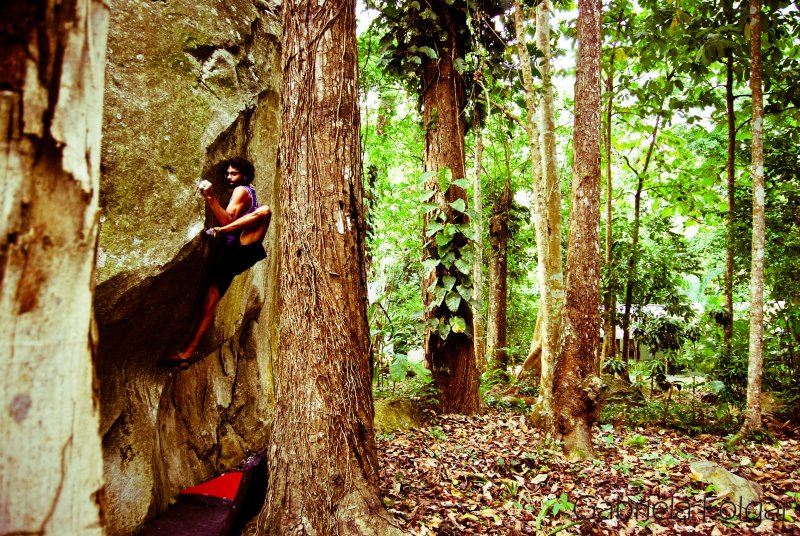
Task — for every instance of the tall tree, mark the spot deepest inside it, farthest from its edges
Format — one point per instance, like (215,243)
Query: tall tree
(426,43)
(539,203)
(478,325)
(497,318)
(323,465)
(554,277)
(730,175)
(449,353)
(547,200)
(51,75)
(755,368)
(576,383)
(609,301)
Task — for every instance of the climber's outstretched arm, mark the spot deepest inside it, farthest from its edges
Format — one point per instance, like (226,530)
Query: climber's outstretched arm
(259,217)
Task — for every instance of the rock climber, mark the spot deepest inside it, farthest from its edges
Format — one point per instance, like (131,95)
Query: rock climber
(243,224)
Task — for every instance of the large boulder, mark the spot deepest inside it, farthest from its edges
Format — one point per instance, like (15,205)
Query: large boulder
(728,485)
(188,83)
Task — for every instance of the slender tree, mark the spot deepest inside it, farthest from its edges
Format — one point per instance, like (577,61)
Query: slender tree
(730,174)
(576,382)
(322,465)
(609,301)
(497,318)
(538,345)
(633,259)
(547,194)
(51,75)
(752,421)
(554,277)
(478,324)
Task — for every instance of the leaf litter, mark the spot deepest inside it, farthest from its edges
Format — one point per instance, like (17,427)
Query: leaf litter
(495,474)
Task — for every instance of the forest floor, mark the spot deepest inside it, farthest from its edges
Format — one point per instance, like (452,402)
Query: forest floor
(494,474)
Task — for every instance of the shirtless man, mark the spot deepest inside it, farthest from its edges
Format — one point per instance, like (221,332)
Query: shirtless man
(243,224)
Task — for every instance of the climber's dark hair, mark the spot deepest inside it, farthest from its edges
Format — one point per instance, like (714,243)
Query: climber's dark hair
(244,166)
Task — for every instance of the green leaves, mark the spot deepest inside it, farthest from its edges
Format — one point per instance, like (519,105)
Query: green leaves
(452,255)
(463,266)
(459,205)
(429,52)
(458,324)
(453,300)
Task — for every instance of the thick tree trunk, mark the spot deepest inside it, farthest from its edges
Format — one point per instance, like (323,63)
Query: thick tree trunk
(478,325)
(322,458)
(51,80)
(576,382)
(554,277)
(752,420)
(497,325)
(451,360)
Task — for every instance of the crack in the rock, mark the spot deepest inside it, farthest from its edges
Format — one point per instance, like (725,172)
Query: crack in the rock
(59,488)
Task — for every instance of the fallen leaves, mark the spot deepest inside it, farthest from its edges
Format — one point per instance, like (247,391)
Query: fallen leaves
(492,474)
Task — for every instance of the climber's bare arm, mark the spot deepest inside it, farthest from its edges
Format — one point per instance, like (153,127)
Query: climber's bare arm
(238,205)
(253,226)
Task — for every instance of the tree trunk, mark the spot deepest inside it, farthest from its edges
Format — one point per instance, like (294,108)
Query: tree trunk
(533,361)
(540,215)
(730,169)
(51,75)
(554,277)
(497,326)
(478,327)
(634,257)
(609,301)
(755,368)
(322,461)
(451,360)
(576,382)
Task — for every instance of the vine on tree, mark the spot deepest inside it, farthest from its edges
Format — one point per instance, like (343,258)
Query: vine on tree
(450,250)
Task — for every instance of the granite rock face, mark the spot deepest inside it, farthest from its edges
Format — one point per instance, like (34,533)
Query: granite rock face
(188,83)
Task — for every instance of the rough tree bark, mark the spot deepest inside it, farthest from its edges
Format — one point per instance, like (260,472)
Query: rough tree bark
(752,421)
(576,382)
(51,95)
(496,324)
(451,360)
(322,455)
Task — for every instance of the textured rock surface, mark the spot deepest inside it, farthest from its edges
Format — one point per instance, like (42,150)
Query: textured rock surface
(397,414)
(188,83)
(729,486)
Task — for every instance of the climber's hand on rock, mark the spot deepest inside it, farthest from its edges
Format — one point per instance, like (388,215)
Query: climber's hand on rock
(206,188)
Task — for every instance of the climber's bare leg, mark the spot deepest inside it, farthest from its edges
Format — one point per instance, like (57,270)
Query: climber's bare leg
(209,308)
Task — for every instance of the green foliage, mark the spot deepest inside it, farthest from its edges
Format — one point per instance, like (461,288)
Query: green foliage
(413,34)
(401,366)
(636,441)
(554,507)
(450,254)
(686,414)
